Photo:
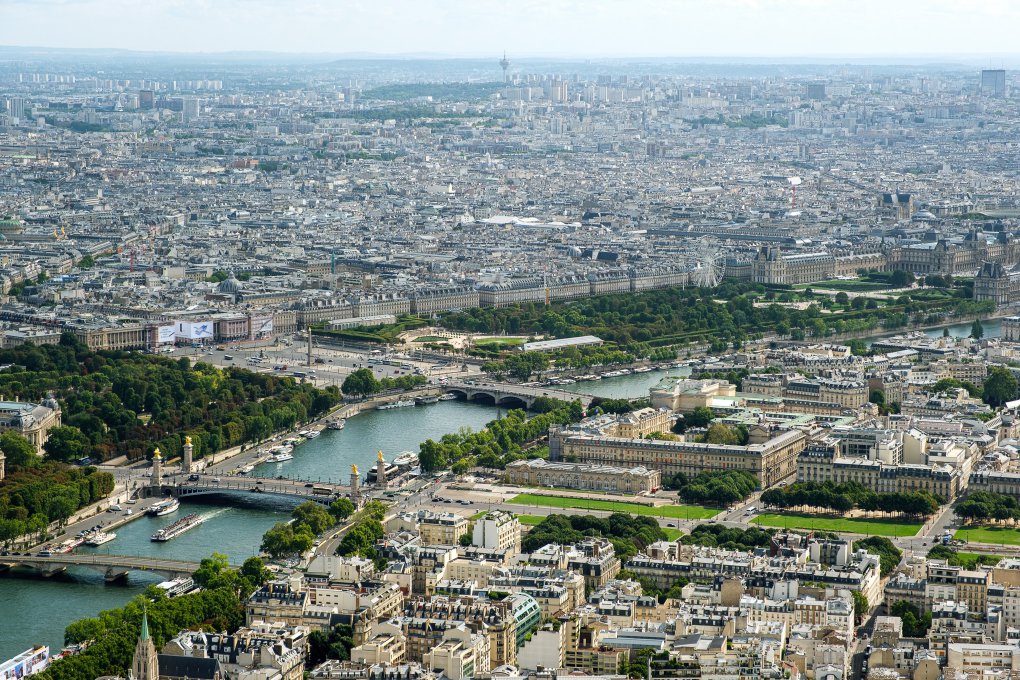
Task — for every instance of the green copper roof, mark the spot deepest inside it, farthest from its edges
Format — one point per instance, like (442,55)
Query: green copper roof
(145,625)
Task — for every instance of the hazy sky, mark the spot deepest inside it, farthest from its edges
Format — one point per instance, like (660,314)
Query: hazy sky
(579,28)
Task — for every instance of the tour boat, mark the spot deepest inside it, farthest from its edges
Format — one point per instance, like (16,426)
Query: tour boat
(396,404)
(337,424)
(177,528)
(448,396)
(312,434)
(422,401)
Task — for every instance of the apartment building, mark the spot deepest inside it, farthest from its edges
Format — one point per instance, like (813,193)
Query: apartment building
(497,530)
(538,472)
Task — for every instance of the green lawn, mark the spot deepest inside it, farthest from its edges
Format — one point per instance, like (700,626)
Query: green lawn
(530,520)
(1000,535)
(510,342)
(675,511)
(972,561)
(672,534)
(431,338)
(849,286)
(875,527)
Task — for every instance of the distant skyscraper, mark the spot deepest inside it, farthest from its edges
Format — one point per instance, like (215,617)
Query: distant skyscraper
(993,82)
(504,64)
(816,90)
(190,108)
(146,100)
(16,109)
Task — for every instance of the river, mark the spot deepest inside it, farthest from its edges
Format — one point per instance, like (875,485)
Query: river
(37,610)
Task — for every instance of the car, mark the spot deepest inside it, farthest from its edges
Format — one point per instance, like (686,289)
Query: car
(671,524)
(193,478)
(309,485)
(132,501)
(259,482)
(215,480)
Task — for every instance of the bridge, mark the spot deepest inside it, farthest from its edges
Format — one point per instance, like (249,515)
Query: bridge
(296,490)
(515,396)
(113,567)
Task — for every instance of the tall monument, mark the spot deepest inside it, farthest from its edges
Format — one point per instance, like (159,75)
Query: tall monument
(157,469)
(145,663)
(188,450)
(355,486)
(380,471)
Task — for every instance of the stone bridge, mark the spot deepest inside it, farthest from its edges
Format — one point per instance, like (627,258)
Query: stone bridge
(254,488)
(512,396)
(112,567)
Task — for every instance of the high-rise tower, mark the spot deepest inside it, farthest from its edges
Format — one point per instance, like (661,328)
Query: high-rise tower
(504,64)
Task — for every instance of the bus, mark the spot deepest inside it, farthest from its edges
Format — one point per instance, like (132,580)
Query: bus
(322,491)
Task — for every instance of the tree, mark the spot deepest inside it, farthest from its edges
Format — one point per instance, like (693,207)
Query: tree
(699,417)
(842,298)
(861,606)
(255,572)
(66,443)
(18,450)
(1000,387)
(977,331)
(282,539)
(901,279)
(86,262)
(721,433)
(465,539)
(362,382)
(341,509)
(313,516)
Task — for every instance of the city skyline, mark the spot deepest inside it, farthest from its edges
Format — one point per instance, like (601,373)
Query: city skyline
(770,29)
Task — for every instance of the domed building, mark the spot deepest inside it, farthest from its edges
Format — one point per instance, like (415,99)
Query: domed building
(230,287)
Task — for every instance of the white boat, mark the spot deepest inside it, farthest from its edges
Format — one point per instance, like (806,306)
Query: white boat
(643,369)
(304,433)
(246,469)
(396,404)
(281,457)
(337,424)
(165,507)
(312,434)
(449,396)
(406,458)
(100,538)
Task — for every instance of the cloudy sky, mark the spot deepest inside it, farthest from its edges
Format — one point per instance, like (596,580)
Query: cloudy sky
(540,28)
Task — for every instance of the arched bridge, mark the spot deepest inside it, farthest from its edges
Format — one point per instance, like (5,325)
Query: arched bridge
(512,396)
(296,490)
(113,567)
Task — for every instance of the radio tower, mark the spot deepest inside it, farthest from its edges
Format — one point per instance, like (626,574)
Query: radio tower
(504,64)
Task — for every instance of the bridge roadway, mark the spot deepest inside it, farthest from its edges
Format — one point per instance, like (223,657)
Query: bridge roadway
(298,490)
(112,566)
(505,394)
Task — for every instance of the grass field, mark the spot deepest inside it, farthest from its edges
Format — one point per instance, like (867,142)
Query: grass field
(672,534)
(971,561)
(1000,535)
(530,520)
(431,338)
(674,511)
(848,286)
(875,527)
(509,342)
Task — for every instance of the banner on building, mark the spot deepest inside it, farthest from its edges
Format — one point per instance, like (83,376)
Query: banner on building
(197,330)
(262,326)
(165,334)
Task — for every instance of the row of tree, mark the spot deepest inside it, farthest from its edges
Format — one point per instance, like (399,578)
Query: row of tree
(218,606)
(719,488)
(981,506)
(499,443)
(629,534)
(34,495)
(363,382)
(361,538)
(730,538)
(849,495)
(127,403)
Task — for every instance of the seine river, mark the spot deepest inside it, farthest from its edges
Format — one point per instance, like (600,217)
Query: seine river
(36,610)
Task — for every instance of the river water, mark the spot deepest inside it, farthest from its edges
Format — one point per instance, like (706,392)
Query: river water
(36,610)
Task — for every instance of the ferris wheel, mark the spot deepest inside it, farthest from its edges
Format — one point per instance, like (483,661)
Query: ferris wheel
(709,265)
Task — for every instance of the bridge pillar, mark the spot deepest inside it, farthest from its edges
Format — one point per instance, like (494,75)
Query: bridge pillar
(115,574)
(48,570)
